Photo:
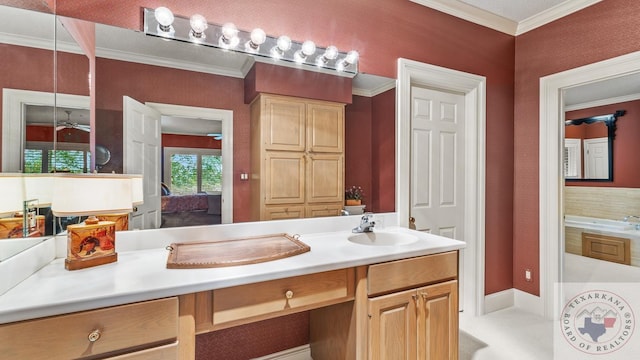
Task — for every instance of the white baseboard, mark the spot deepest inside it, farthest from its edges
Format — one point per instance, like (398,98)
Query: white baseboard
(527,302)
(498,301)
(298,353)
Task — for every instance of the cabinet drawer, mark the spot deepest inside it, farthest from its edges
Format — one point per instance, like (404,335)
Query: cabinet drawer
(166,352)
(409,273)
(324,210)
(267,299)
(283,212)
(121,329)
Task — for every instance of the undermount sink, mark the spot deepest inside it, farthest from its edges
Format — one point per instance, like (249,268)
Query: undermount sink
(381,238)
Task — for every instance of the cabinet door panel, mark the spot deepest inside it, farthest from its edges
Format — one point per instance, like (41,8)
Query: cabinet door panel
(325,127)
(283,124)
(325,178)
(392,326)
(438,323)
(285,177)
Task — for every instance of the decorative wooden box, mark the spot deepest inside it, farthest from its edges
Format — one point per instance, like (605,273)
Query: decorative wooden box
(121,220)
(90,245)
(12,227)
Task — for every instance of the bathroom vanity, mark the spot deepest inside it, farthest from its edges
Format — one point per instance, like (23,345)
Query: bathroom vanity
(366,301)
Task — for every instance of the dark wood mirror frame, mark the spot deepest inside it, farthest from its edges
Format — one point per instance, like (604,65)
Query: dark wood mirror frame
(610,121)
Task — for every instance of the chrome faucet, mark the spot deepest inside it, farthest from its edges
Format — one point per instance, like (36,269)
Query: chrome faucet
(366,224)
(628,217)
(344,212)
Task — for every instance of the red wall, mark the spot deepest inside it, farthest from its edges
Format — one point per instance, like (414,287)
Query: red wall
(601,31)
(626,172)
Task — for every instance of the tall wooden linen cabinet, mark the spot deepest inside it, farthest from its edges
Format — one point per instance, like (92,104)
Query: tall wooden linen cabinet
(297,158)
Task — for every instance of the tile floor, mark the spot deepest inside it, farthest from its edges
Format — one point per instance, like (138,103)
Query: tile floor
(506,335)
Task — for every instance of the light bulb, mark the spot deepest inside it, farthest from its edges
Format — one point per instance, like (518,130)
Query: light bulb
(229,38)
(307,49)
(352,57)
(164,16)
(258,37)
(330,53)
(229,31)
(198,26)
(283,44)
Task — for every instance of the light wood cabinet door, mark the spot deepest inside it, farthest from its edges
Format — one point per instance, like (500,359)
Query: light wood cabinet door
(415,324)
(325,127)
(325,178)
(285,177)
(284,124)
(438,321)
(392,326)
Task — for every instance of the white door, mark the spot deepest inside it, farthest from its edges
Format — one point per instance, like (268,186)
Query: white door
(141,153)
(596,158)
(437,165)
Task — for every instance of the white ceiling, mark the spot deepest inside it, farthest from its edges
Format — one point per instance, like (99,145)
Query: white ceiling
(513,17)
(516,10)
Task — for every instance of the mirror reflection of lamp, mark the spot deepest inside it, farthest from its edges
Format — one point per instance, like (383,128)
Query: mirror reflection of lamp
(12,195)
(92,243)
(38,195)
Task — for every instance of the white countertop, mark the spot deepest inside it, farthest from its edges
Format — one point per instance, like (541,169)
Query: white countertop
(141,275)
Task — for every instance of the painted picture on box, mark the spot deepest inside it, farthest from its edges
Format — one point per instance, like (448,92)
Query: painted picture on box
(92,242)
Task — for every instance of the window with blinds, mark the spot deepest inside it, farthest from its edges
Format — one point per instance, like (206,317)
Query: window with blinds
(40,157)
(191,171)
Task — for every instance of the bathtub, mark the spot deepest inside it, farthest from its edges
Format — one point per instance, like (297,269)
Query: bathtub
(575,226)
(597,224)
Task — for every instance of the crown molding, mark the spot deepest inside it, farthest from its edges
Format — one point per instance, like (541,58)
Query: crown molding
(481,17)
(471,13)
(603,102)
(376,91)
(553,14)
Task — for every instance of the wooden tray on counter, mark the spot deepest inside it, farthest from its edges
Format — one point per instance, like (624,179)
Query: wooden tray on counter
(252,250)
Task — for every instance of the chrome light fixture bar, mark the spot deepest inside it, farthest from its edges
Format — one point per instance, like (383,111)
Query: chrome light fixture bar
(162,23)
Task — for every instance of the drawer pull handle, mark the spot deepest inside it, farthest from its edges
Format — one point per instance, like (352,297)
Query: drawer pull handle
(288,294)
(94,335)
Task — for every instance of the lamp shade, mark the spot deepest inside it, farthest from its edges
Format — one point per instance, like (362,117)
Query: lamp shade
(137,190)
(11,193)
(39,187)
(91,194)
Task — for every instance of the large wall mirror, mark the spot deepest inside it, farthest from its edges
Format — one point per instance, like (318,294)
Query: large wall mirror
(199,94)
(588,147)
(28,85)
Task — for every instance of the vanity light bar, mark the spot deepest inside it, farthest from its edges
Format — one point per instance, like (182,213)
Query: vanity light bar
(227,37)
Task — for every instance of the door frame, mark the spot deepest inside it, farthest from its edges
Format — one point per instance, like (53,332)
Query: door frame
(551,216)
(473,87)
(226,117)
(14,102)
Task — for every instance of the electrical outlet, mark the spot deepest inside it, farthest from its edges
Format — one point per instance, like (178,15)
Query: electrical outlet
(527,275)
